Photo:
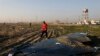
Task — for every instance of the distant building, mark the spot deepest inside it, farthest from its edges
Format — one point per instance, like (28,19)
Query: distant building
(93,22)
(85,22)
(98,22)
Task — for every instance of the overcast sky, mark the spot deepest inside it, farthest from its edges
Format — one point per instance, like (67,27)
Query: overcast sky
(49,10)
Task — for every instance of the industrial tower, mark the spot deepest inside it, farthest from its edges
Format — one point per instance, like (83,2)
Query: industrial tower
(85,16)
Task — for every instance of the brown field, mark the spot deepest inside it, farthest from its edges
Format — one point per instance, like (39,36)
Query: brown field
(12,35)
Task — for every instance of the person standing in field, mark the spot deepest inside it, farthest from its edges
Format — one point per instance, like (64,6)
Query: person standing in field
(44,29)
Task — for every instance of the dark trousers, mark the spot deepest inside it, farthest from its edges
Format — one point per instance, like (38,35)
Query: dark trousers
(44,32)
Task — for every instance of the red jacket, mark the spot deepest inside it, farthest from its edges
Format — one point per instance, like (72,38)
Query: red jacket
(44,27)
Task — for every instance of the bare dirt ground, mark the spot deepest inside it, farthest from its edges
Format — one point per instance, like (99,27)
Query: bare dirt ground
(12,35)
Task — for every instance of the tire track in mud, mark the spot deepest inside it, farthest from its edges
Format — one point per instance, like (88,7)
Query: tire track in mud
(17,34)
(21,40)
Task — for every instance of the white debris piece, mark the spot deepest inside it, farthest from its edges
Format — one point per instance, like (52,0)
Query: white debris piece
(10,54)
(57,43)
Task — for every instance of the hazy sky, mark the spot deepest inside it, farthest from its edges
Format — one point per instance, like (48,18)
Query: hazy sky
(49,10)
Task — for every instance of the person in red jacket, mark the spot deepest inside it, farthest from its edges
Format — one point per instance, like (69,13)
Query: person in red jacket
(44,29)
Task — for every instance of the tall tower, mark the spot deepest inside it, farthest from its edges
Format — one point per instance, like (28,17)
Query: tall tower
(85,16)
